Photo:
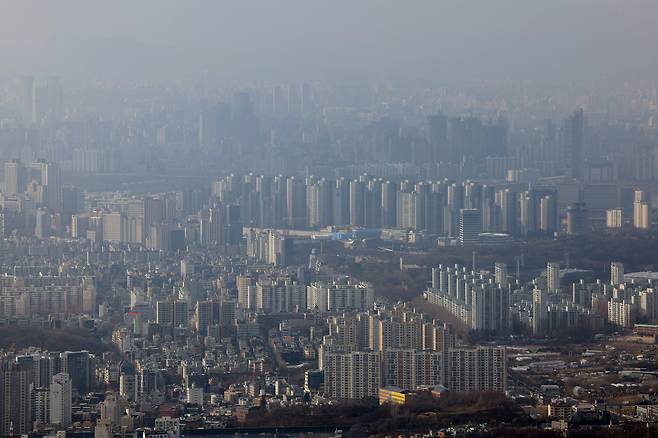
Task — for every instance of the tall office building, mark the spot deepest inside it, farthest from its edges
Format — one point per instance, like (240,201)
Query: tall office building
(215,231)
(181,316)
(164,313)
(37,366)
(81,367)
(470,226)
(213,313)
(15,400)
(60,398)
(148,379)
(72,202)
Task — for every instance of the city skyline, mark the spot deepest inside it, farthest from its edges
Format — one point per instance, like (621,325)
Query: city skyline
(333,40)
(337,219)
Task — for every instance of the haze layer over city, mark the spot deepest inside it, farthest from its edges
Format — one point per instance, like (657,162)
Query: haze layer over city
(332,219)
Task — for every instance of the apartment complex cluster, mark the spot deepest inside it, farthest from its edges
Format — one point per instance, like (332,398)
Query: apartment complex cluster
(200,338)
(558,300)
(39,295)
(434,207)
(479,300)
(401,348)
(35,202)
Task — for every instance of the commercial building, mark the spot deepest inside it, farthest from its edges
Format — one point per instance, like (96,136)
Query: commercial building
(15,400)
(470,226)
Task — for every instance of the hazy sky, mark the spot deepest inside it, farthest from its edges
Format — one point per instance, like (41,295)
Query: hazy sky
(306,39)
